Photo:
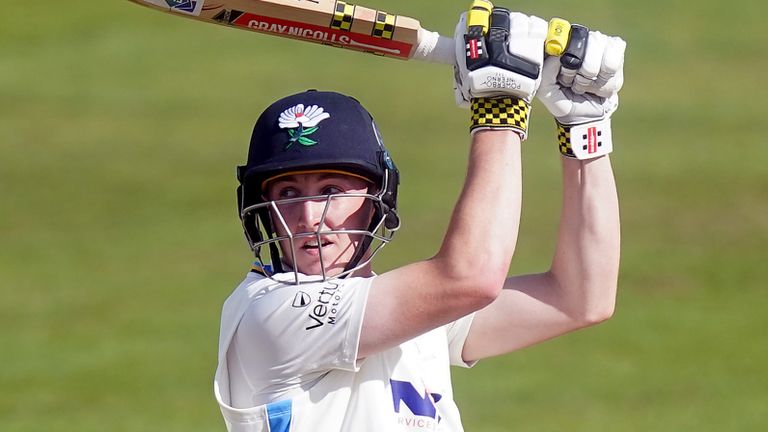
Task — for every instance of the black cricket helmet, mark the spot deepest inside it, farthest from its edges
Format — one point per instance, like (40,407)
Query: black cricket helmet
(315,131)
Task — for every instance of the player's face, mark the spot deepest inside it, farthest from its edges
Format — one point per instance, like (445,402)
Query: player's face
(306,216)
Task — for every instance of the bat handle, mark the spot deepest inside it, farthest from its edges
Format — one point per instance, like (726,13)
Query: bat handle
(434,48)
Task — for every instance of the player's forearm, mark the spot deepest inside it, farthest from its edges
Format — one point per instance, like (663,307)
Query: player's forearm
(586,261)
(484,226)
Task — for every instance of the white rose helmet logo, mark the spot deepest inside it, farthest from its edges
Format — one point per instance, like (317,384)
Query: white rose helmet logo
(302,122)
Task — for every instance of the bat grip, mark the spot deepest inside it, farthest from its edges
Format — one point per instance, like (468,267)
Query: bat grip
(434,48)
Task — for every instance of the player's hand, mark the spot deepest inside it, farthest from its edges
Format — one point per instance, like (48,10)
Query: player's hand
(506,61)
(584,103)
(597,67)
(566,105)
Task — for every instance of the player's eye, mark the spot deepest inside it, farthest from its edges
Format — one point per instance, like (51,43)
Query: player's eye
(287,193)
(331,190)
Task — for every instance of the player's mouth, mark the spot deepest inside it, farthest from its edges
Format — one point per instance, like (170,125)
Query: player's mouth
(313,246)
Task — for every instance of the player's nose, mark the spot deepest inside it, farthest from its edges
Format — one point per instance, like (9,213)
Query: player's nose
(311,214)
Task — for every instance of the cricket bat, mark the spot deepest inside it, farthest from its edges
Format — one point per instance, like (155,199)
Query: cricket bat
(329,22)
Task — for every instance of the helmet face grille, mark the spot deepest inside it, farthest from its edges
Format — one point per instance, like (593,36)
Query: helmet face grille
(275,245)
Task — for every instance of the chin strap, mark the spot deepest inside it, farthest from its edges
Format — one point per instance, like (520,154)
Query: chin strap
(274,250)
(364,245)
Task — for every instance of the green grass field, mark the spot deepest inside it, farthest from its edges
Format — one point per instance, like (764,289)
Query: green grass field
(119,132)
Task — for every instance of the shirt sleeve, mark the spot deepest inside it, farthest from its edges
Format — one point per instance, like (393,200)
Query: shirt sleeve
(293,330)
(457,333)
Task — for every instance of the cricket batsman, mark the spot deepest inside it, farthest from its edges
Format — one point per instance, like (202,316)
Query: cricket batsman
(314,340)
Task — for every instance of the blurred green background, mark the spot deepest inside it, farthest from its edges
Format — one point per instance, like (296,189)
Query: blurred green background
(119,132)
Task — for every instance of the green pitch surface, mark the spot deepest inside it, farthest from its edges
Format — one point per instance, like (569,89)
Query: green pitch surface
(119,132)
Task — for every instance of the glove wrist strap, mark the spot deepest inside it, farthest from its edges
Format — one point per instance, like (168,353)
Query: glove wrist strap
(585,141)
(501,113)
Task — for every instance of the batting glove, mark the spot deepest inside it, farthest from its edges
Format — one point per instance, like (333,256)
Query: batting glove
(498,71)
(581,91)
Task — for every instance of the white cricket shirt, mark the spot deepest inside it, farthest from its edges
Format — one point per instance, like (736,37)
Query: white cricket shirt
(287,362)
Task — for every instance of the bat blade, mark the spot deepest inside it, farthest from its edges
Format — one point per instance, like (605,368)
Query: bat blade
(329,22)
